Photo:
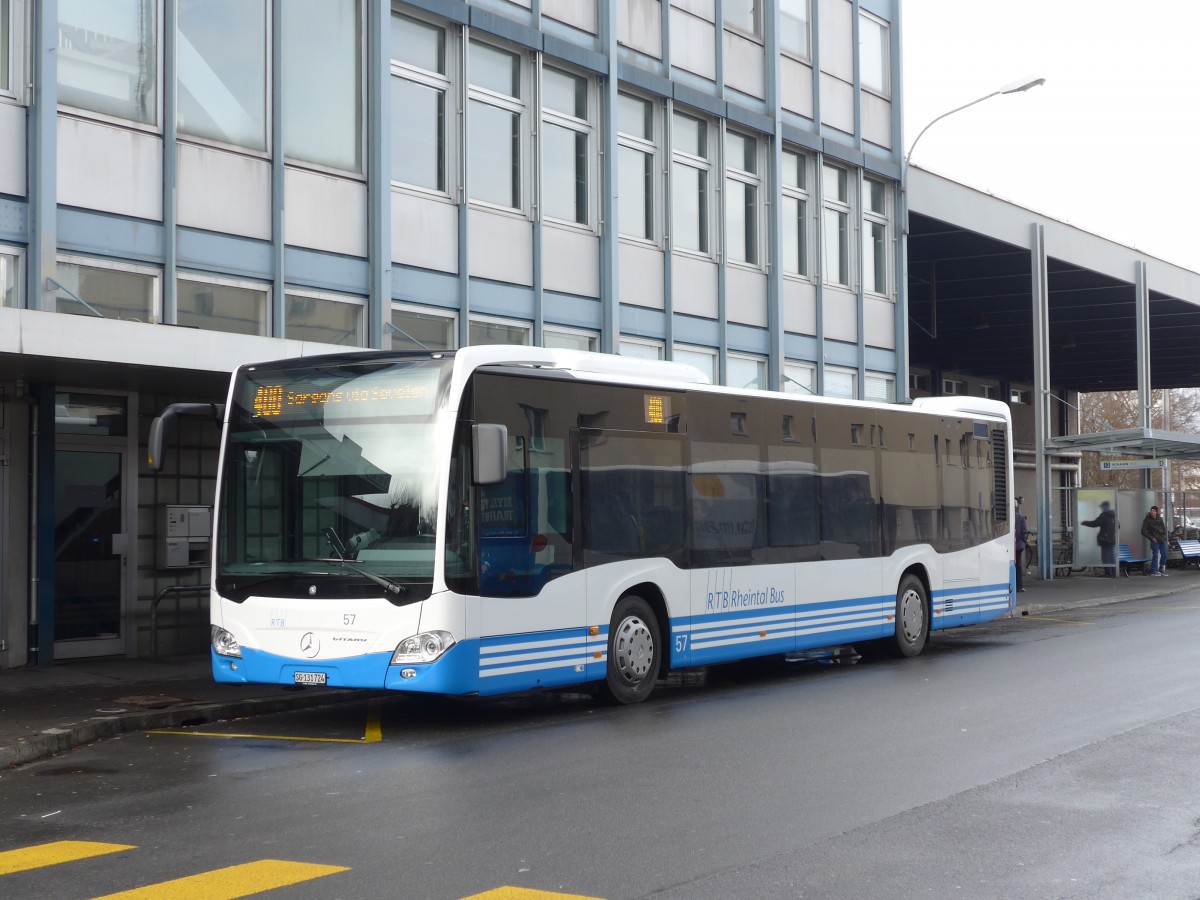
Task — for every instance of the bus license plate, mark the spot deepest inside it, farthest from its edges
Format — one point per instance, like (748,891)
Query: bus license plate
(309,677)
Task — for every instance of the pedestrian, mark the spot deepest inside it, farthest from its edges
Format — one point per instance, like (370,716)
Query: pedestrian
(1154,530)
(1021,540)
(1106,537)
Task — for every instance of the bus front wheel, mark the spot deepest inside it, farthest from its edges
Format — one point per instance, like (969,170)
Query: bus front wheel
(633,652)
(912,617)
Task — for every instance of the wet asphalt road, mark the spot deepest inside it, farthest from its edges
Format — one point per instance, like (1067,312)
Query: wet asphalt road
(1054,757)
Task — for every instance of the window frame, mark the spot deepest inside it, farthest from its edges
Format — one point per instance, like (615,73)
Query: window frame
(268,94)
(155,127)
(518,106)
(705,167)
(801,194)
(17,255)
(885,76)
(713,371)
(442,82)
(360,172)
(14,54)
(761,362)
(649,148)
(593,337)
(645,345)
(872,218)
(804,55)
(517,324)
(92,262)
(586,128)
(755,11)
(263,287)
(433,312)
(749,180)
(883,379)
(843,209)
(292,290)
(791,384)
(852,374)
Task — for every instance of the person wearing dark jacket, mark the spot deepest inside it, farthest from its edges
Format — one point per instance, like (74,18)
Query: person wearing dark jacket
(1106,537)
(1021,541)
(1154,530)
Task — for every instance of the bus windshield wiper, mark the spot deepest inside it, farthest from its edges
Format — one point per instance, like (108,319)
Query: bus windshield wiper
(336,545)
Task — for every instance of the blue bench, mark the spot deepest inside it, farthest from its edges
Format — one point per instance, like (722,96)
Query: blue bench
(1126,560)
(1190,553)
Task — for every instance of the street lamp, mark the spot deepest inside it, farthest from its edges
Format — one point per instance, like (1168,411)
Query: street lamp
(1014,88)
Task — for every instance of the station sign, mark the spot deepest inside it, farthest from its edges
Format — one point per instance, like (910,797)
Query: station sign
(1109,465)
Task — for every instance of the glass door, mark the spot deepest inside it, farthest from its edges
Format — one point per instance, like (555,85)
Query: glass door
(89,559)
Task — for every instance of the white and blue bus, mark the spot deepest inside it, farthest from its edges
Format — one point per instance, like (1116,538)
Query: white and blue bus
(499,519)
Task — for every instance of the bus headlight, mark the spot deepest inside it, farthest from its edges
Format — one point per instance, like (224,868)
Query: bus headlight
(422,648)
(224,643)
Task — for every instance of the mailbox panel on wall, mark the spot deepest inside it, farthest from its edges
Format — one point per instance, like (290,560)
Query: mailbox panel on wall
(184,536)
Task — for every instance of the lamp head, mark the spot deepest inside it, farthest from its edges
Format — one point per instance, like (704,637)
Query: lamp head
(1018,87)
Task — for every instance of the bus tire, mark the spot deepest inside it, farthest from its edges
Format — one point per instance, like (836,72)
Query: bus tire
(912,617)
(633,652)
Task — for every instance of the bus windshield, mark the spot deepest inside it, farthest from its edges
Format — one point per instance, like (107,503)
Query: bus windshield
(331,464)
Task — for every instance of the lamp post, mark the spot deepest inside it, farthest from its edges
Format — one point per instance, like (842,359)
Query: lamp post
(1017,87)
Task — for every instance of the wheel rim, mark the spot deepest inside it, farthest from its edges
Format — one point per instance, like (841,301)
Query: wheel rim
(912,615)
(633,650)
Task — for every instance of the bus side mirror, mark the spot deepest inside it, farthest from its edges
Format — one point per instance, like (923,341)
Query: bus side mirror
(490,445)
(160,428)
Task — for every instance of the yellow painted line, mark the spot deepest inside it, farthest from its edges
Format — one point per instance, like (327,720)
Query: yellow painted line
(515,893)
(373,733)
(54,853)
(231,883)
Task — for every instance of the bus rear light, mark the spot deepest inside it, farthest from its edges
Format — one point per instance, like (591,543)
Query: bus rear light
(538,544)
(422,648)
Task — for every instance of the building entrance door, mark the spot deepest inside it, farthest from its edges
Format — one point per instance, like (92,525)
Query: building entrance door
(89,552)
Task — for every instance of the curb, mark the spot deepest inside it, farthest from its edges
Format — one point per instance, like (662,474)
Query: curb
(47,745)
(1031,609)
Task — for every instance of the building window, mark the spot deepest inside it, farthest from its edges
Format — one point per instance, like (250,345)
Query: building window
(6,47)
(1019,397)
(411,329)
(990,391)
(636,150)
(108,58)
(745,371)
(702,358)
(875,229)
(835,219)
(496,108)
(565,139)
(741,198)
(842,383)
(499,331)
(690,166)
(420,88)
(744,15)
(10,280)
(222,306)
(106,292)
(570,339)
(324,318)
(873,56)
(953,387)
(323,82)
(799,378)
(222,64)
(795,214)
(879,387)
(636,348)
(793,28)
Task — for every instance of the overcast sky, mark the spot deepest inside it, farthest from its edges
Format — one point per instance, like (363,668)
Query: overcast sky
(1111,141)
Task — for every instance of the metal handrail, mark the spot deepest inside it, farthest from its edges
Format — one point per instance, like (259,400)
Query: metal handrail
(173,589)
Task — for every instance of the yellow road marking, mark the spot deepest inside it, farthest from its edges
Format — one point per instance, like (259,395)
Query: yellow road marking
(231,883)
(372,734)
(515,893)
(54,853)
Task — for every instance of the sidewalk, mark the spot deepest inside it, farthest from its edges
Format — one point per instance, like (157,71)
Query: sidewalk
(48,711)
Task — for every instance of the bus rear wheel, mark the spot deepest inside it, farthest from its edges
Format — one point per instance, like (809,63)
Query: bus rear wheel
(633,652)
(912,617)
